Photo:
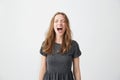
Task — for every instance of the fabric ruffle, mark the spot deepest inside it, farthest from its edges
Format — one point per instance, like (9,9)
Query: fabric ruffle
(58,76)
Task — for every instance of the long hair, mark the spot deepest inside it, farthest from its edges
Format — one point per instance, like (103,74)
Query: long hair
(50,37)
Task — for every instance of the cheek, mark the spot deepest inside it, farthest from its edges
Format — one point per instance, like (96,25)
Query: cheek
(55,29)
(65,27)
(55,26)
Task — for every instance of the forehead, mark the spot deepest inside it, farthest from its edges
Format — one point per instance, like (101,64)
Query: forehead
(59,16)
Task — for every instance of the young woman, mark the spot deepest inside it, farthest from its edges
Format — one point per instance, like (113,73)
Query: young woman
(59,52)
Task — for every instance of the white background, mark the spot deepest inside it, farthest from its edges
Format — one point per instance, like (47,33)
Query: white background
(95,25)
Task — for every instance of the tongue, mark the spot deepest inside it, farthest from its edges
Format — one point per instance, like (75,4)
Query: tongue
(59,31)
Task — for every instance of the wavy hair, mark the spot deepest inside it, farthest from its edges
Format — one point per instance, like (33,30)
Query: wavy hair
(50,37)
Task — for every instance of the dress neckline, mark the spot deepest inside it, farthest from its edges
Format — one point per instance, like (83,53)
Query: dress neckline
(58,43)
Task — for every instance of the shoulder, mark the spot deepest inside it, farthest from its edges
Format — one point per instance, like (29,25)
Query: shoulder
(76,49)
(74,43)
(41,49)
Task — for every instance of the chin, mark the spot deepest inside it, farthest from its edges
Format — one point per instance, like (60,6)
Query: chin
(60,34)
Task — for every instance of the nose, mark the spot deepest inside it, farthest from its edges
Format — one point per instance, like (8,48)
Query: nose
(60,22)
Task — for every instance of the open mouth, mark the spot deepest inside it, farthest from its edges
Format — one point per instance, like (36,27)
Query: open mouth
(59,29)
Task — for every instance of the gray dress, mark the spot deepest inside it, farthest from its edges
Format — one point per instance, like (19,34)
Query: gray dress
(58,65)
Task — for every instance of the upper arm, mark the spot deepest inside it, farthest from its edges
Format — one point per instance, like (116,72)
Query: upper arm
(76,62)
(42,67)
(43,62)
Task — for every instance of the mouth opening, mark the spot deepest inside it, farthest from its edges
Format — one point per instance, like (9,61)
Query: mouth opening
(59,29)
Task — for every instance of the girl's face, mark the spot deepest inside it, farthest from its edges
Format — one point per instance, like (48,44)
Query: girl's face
(59,25)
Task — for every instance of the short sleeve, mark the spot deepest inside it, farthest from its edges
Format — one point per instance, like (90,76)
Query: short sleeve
(76,50)
(41,51)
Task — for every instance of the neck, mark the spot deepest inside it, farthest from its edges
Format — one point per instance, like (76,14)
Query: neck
(58,39)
